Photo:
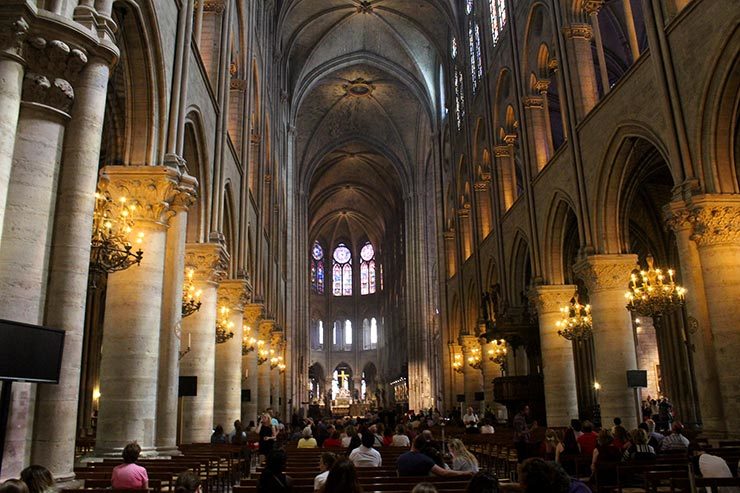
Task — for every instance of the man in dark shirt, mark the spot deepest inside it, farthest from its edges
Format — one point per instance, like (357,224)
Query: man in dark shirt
(415,463)
(522,432)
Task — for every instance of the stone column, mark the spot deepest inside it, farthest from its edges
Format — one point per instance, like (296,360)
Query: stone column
(450,252)
(55,423)
(582,71)
(507,174)
(263,373)
(12,38)
(170,339)
(534,106)
(466,231)
(227,406)
(30,200)
(716,220)
(697,308)
(607,279)
(483,204)
(252,314)
(472,377)
(491,370)
(629,22)
(209,262)
(133,314)
(558,367)
(592,8)
(276,344)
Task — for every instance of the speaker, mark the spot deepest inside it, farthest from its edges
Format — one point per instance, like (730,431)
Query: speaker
(460,397)
(187,387)
(636,378)
(246,395)
(479,396)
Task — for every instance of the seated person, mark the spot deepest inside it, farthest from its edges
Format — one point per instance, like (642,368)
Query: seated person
(639,450)
(308,441)
(587,441)
(188,482)
(486,428)
(325,463)
(415,463)
(400,439)
(482,482)
(539,476)
(334,440)
(129,475)
(365,455)
(676,441)
(38,479)
(273,478)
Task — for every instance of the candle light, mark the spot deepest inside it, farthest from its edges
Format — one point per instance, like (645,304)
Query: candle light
(188,340)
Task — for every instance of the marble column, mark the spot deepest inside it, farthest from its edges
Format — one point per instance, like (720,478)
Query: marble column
(133,314)
(678,218)
(170,340)
(55,427)
(30,201)
(582,71)
(263,372)
(607,279)
(558,367)
(472,377)
(227,405)
(209,262)
(716,220)
(252,314)
(11,86)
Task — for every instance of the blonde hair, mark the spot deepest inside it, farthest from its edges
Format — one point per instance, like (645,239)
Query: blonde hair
(458,448)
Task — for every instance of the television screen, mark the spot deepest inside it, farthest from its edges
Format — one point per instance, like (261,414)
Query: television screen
(30,353)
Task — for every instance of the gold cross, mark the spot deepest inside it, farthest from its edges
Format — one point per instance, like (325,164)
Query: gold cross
(342,377)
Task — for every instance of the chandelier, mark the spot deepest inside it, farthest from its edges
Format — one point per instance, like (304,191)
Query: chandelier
(650,295)
(262,352)
(498,353)
(274,359)
(224,326)
(110,246)
(475,359)
(576,323)
(457,363)
(248,342)
(190,296)
(281,365)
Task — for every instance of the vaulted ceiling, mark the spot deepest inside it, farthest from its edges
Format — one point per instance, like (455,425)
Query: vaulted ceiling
(363,79)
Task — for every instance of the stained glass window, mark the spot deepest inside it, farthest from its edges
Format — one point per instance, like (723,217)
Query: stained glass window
(317,268)
(498,18)
(367,269)
(342,271)
(347,333)
(459,98)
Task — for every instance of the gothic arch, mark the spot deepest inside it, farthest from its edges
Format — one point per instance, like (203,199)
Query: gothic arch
(196,155)
(561,219)
(230,227)
(520,267)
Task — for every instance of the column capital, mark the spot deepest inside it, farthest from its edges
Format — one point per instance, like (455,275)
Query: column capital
(677,216)
(533,102)
(232,293)
(151,188)
(217,6)
(542,85)
(550,298)
(12,38)
(265,328)
(606,272)
(716,219)
(252,313)
(464,211)
(481,186)
(186,194)
(502,151)
(467,342)
(593,6)
(578,31)
(209,261)
(238,84)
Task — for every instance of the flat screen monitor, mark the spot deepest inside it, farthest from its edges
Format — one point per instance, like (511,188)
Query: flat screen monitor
(30,353)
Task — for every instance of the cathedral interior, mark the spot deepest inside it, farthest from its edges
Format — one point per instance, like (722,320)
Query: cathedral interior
(317,206)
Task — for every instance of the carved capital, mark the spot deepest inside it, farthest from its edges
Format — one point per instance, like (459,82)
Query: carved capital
(502,152)
(578,31)
(216,6)
(209,261)
(12,37)
(464,212)
(468,342)
(481,186)
(542,85)
(252,313)
(549,299)
(533,102)
(238,84)
(449,235)
(677,216)
(151,188)
(52,67)
(593,6)
(232,293)
(186,193)
(265,328)
(606,272)
(716,220)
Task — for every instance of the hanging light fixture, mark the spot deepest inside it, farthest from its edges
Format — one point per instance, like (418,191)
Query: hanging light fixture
(498,353)
(575,323)
(262,352)
(224,326)
(248,342)
(457,363)
(475,360)
(651,295)
(190,295)
(274,360)
(281,365)
(110,245)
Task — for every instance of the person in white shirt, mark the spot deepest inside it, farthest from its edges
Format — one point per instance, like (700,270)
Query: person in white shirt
(487,429)
(327,460)
(400,439)
(365,455)
(712,466)
(470,419)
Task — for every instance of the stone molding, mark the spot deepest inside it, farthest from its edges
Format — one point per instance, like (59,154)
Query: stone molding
(233,294)
(13,37)
(716,220)
(549,299)
(578,31)
(151,188)
(52,68)
(606,272)
(209,261)
(464,212)
(533,102)
(252,313)
(502,151)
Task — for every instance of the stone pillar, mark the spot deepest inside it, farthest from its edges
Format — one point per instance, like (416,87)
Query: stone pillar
(507,175)
(534,106)
(209,263)
(582,71)
(450,252)
(466,231)
(30,200)
(252,314)
(263,373)
(133,314)
(697,308)
(592,8)
(483,204)
(491,370)
(558,367)
(607,279)
(629,22)
(55,427)
(170,339)
(276,345)
(716,220)
(227,406)
(472,377)
(12,38)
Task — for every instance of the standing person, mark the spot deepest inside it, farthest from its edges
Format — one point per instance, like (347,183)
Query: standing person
(325,464)
(39,479)
(267,435)
(128,475)
(462,459)
(238,436)
(342,478)
(522,432)
(587,441)
(273,478)
(218,435)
